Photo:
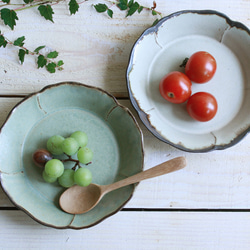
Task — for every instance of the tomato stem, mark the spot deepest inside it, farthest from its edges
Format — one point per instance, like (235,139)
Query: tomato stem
(184,62)
(171,95)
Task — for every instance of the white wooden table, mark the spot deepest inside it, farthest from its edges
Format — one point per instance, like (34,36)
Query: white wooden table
(204,206)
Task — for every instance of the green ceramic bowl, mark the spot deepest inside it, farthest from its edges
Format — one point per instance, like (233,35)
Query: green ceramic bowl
(114,136)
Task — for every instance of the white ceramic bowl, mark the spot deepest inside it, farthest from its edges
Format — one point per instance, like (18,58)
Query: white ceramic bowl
(162,48)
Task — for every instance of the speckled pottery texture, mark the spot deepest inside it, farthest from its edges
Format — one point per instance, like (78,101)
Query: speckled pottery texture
(162,48)
(114,136)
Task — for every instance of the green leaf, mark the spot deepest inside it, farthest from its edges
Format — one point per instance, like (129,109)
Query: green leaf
(39,48)
(21,55)
(123,4)
(133,8)
(130,3)
(51,67)
(28,1)
(155,22)
(41,62)
(60,63)
(154,13)
(9,17)
(110,13)
(73,6)
(6,1)
(52,54)
(3,42)
(19,41)
(101,7)
(46,11)
(140,9)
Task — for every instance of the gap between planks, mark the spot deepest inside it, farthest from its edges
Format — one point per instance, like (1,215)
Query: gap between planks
(200,210)
(118,96)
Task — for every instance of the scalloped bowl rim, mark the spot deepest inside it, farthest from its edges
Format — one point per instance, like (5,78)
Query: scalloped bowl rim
(179,35)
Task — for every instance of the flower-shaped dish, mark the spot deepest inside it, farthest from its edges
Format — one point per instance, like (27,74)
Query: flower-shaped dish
(113,135)
(162,49)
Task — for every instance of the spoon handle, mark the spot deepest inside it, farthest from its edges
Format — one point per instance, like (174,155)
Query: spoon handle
(161,169)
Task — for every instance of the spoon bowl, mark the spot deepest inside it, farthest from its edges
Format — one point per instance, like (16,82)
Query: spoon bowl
(78,199)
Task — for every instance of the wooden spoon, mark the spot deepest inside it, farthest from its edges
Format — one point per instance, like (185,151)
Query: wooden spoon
(78,200)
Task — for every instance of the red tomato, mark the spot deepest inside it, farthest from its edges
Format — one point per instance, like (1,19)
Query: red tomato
(175,87)
(202,106)
(200,67)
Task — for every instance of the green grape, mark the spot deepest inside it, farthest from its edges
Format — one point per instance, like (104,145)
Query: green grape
(54,168)
(85,155)
(54,144)
(47,178)
(80,137)
(70,146)
(67,178)
(83,177)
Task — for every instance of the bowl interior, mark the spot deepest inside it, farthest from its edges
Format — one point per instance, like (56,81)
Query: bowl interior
(113,135)
(162,48)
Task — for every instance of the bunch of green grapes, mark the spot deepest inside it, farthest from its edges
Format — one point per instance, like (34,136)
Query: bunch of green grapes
(53,168)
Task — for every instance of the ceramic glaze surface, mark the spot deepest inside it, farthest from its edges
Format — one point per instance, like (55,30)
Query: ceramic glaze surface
(161,49)
(113,135)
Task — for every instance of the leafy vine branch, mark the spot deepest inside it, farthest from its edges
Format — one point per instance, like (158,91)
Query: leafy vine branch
(42,60)
(8,14)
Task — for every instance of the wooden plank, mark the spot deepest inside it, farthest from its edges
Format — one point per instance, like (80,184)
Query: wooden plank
(95,48)
(135,231)
(6,105)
